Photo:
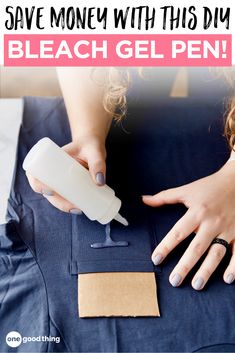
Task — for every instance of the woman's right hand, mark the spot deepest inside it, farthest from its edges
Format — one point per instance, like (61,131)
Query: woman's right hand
(91,153)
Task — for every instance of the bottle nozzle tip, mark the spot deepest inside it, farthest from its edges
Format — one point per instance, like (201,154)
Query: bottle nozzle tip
(121,219)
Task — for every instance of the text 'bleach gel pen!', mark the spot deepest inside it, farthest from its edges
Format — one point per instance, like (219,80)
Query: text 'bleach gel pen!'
(51,165)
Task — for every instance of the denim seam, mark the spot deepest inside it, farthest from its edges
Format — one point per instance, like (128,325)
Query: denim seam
(213,345)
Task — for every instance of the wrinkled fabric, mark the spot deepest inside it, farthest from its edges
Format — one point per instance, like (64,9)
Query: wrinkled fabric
(163,143)
(11,111)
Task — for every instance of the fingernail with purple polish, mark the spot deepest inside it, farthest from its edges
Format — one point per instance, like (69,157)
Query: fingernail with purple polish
(157,259)
(175,280)
(100,178)
(198,284)
(230,278)
(76,211)
(47,193)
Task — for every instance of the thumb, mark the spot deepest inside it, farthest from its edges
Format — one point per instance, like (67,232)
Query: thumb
(164,197)
(92,156)
(97,165)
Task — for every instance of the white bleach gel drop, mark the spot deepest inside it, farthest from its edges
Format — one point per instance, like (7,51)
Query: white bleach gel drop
(50,164)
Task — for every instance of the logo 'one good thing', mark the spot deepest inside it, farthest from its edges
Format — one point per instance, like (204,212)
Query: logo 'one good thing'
(13,339)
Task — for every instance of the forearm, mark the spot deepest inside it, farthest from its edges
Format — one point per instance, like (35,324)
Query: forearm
(83,98)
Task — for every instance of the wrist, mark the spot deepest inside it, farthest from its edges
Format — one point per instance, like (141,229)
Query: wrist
(81,135)
(86,139)
(95,128)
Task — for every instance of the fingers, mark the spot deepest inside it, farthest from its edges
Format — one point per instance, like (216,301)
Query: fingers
(54,198)
(193,253)
(39,187)
(213,258)
(91,157)
(97,169)
(229,274)
(63,205)
(73,151)
(71,148)
(169,196)
(97,165)
(184,227)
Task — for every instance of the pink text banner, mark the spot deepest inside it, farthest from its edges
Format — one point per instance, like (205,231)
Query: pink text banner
(118,50)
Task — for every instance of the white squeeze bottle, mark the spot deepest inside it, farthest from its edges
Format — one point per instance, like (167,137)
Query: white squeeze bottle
(50,164)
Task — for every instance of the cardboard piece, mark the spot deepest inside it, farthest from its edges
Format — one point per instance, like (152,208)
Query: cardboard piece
(117,294)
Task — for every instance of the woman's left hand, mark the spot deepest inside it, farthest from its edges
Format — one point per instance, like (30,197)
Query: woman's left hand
(211,213)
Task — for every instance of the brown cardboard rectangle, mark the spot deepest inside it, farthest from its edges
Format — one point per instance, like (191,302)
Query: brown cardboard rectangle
(117,294)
